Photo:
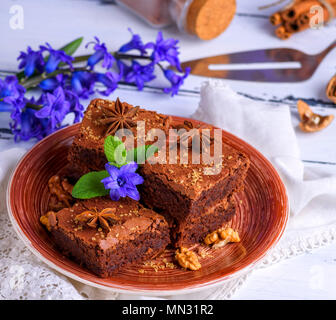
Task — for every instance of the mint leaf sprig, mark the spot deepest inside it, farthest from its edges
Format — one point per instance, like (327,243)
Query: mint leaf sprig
(90,185)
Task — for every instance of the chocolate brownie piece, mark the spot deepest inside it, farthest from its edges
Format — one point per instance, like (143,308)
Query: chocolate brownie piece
(122,233)
(87,150)
(194,229)
(185,190)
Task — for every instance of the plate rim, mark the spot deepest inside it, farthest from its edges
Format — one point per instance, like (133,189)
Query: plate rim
(193,288)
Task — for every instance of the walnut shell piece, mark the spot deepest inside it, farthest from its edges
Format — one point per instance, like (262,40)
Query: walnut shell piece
(331,89)
(229,233)
(310,121)
(67,187)
(187,259)
(61,189)
(221,237)
(49,220)
(211,238)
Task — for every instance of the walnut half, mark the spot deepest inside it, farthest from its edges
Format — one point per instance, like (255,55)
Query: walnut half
(49,220)
(331,89)
(310,121)
(187,259)
(61,189)
(221,237)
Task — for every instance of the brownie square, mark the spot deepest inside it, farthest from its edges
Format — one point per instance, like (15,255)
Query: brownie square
(87,150)
(135,234)
(185,189)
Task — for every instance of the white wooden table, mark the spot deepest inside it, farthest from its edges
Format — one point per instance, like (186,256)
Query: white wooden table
(311,276)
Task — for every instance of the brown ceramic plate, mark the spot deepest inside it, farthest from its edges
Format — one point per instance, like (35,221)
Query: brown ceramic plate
(261,219)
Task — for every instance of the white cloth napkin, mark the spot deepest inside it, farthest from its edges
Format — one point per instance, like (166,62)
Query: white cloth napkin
(269,129)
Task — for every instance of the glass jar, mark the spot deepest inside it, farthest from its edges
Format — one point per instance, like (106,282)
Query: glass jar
(205,19)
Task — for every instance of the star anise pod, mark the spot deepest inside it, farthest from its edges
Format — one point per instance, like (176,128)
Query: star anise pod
(195,134)
(94,218)
(118,117)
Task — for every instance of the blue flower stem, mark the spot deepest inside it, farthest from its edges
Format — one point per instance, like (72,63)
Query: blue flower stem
(35,81)
(122,56)
(117,55)
(33,106)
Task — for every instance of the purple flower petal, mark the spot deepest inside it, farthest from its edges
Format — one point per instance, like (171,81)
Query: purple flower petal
(129,168)
(122,192)
(101,53)
(55,58)
(135,178)
(133,193)
(165,50)
(109,183)
(31,61)
(110,80)
(122,182)
(112,170)
(139,74)
(175,80)
(134,44)
(82,83)
(114,194)
(55,108)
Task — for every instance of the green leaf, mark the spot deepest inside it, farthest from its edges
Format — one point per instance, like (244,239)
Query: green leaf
(115,151)
(72,47)
(69,49)
(141,154)
(90,185)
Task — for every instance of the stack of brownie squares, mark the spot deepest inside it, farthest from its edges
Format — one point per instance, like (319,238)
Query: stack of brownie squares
(179,204)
